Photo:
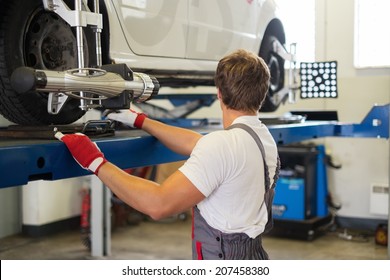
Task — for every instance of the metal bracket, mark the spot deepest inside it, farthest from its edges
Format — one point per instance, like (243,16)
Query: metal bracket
(79,18)
(74,18)
(55,102)
(98,127)
(288,92)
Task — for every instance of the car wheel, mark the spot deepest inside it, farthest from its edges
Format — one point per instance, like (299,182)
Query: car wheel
(276,66)
(31,36)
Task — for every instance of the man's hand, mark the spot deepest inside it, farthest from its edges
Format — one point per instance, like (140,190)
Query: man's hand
(84,151)
(128,117)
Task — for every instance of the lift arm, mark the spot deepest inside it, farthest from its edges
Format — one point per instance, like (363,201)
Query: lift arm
(374,125)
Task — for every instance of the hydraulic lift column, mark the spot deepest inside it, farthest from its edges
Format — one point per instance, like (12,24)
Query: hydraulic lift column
(100,218)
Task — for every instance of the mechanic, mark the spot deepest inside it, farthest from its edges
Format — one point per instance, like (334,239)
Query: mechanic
(225,177)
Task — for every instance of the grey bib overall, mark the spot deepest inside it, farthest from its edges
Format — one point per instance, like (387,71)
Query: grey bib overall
(209,243)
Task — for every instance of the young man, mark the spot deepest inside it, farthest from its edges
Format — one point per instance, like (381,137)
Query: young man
(225,176)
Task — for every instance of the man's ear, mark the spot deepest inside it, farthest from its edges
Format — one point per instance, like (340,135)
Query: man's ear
(219,94)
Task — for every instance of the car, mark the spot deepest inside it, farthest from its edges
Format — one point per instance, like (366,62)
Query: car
(177,42)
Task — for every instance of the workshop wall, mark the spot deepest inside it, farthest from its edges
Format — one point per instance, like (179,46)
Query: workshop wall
(365,161)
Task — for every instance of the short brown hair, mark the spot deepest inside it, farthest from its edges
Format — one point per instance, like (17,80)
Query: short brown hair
(243,80)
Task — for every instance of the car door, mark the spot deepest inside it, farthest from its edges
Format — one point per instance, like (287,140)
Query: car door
(154,27)
(217,27)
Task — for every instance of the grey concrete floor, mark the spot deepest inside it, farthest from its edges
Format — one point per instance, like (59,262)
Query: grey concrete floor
(171,239)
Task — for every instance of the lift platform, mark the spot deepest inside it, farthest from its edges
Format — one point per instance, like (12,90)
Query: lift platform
(24,160)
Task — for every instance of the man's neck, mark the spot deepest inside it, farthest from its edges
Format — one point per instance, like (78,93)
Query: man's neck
(229,115)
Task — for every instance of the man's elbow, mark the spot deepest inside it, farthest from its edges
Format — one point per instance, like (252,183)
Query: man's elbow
(163,211)
(155,216)
(159,213)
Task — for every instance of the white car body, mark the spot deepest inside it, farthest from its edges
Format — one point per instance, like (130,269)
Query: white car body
(184,34)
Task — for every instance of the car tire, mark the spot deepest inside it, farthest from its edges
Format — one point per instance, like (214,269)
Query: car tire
(31,36)
(276,66)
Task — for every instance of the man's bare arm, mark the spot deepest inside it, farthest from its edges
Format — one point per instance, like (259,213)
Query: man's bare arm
(179,140)
(175,195)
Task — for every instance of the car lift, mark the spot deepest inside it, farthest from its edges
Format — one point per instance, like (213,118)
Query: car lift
(24,160)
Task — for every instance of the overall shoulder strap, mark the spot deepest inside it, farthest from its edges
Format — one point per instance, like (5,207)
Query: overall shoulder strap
(252,133)
(269,189)
(261,147)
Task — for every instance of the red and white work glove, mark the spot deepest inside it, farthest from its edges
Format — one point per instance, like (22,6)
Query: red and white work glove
(128,117)
(84,151)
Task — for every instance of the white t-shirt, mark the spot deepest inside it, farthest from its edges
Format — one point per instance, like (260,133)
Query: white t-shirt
(227,167)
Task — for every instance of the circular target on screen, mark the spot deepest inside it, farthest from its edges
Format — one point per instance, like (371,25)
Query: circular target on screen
(318,79)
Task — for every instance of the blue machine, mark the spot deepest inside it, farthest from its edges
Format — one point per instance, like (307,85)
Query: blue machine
(301,192)
(300,207)
(289,201)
